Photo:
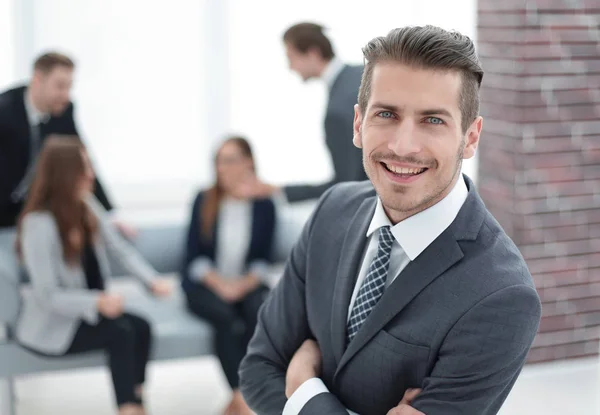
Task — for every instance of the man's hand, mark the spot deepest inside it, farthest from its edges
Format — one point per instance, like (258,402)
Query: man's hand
(305,365)
(404,407)
(253,188)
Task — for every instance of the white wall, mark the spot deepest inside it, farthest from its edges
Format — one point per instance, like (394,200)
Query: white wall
(7,41)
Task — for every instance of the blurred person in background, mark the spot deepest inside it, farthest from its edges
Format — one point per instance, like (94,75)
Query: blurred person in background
(64,239)
(28,115)
(311,55)
(229,246)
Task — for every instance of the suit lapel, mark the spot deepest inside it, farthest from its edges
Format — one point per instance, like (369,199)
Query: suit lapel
(437,258)
(254,233)
(347,274)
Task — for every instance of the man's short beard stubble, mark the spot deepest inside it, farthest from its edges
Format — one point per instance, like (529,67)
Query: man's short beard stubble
(377,158)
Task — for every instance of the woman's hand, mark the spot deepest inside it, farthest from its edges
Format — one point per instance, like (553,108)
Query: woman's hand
(228,291)
(110,305)
(161,288)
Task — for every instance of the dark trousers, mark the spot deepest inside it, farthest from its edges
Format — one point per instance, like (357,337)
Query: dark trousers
(127,341)
(234,323)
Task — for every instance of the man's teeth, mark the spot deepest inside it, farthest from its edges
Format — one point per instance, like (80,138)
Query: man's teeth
(404,170)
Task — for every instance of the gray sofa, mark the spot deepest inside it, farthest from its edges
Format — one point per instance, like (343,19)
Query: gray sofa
(177,333)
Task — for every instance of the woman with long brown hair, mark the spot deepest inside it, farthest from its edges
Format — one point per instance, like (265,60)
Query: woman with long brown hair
(228,247)
(64,237)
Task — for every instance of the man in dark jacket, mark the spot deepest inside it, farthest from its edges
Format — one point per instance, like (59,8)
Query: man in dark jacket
(29,114)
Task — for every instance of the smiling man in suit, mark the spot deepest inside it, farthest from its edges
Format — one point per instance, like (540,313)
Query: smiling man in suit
(29,114)
(405,285)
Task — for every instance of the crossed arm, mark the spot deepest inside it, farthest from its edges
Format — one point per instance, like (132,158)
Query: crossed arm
(306,365)
(477,363)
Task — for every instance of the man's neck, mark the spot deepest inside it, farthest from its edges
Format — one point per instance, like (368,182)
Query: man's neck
(321,68)
(34,102)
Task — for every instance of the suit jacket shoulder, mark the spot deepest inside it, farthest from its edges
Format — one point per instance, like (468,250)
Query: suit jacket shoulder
(344,198)
(265,205)
(345,87)
(12,105)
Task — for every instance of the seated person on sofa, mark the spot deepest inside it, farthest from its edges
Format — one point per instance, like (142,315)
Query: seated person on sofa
(63,240)
(228,250)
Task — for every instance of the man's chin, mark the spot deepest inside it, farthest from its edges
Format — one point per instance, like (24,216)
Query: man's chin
(58,110)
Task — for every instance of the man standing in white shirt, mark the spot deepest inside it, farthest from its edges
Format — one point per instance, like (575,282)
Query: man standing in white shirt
(403,296)
(311,55)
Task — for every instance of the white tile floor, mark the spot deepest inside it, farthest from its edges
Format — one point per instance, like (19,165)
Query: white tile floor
(197,387)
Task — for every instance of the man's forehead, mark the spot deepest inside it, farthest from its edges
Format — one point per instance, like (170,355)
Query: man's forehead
(413,87)
(60,72)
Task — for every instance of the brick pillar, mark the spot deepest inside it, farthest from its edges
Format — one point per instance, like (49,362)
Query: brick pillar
(540,156)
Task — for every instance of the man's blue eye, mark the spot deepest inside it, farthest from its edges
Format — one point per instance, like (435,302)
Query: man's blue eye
(434,120)
(386,114)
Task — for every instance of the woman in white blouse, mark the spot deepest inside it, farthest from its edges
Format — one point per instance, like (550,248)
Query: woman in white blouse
(228,249)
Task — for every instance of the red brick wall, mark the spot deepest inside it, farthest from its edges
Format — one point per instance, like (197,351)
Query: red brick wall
(540,156)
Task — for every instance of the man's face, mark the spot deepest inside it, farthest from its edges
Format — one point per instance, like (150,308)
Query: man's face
(54,89)
(411,136)
(304,64)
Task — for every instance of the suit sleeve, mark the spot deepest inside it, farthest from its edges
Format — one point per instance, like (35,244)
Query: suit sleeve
(324,403)
(482,355)
(120,249)
(302,192)
(269,227)
(260,266)
(282,328)
(99,191)
(5,188)
(197,261)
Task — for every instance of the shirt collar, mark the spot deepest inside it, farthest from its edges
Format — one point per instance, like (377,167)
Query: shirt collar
(33,115)
(331,71)
(417,232)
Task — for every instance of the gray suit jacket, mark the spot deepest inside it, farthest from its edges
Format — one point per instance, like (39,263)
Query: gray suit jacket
(58,298)
(458,321)
(339,121)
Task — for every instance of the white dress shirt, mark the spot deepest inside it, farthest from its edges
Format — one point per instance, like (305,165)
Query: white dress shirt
(331,71)
(34,116)
(234,229)
(413,235)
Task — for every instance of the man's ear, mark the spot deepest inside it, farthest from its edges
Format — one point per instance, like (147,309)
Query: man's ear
(472,138)
(357,139)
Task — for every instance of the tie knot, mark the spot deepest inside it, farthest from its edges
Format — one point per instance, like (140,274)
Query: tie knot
(386,238)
